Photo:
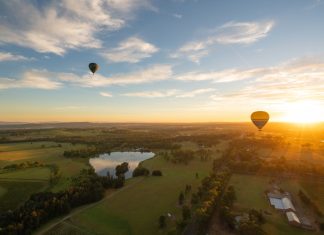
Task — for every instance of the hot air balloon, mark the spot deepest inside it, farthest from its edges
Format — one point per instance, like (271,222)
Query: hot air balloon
(93,67)
(259,119)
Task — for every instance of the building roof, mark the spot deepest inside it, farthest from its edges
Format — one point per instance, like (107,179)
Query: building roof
(292,217)
(281,203)
(287,204)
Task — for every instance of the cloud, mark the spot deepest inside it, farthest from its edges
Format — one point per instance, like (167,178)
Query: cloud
(51,80)
(105,94)
(194,93)
(169,93)
(178,16)
(289,82)
(229,75)
(61,25)
(131,50)
(31,79)
(229,33)
(153,94)
(7,56)
(152,74)
(243,32)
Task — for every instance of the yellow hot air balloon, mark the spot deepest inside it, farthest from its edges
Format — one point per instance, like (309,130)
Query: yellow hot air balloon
(259,119)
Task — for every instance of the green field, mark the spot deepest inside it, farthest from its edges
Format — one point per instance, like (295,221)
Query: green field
(32,180)
(135,209)
(13,193)
(39,173)
(250,192)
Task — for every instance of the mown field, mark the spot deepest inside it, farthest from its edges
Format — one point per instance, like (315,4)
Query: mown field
(136,208)
(17,185)
(250,192)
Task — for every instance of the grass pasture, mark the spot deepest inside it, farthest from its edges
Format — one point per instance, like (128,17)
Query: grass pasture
(38,173)
(16,186)
(250,191)
(16,192)
(135,209)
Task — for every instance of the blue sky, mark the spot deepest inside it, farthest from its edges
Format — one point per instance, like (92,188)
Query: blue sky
(166,60)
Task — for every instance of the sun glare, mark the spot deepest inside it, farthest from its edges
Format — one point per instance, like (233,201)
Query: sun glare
(304,112)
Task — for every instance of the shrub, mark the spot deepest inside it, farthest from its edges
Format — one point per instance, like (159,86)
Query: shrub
(156,173)
(140,171)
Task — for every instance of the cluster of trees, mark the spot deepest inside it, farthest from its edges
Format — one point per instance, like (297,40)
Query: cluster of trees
(141,171)
(122,169)
(244,159)
(252,224)
(226,215)
(28,164)
(305,199)
(208,197)
(86,188)
(82,153)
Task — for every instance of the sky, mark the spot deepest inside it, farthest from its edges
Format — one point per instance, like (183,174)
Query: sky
(161,60)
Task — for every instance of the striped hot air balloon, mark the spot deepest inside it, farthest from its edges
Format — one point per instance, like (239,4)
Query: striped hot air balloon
(259,119)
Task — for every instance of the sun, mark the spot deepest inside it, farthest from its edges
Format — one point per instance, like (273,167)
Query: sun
(304,112)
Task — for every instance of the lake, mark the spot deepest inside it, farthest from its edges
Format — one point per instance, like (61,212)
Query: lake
(107,162)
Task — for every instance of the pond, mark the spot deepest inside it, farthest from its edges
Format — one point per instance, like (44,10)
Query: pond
(108,161)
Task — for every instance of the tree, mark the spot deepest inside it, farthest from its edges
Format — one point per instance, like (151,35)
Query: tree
(139,171)
(156,173)
(181,198)
(186,213)
(122,168)
(162,222)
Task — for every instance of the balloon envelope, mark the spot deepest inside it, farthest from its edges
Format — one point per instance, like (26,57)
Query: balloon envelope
(93,67)
(260,118)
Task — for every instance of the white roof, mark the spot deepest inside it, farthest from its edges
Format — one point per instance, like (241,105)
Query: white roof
(277,203)
(287,204)
(282,204)
(292,217)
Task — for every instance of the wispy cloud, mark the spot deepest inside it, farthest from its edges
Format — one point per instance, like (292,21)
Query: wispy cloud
(51,80)
(32,79)
(132,50)
(194,93)
(170,93)
(243,32)
(229,33)
(290,82)
(176,15)
(153,94)
(151,74)
(105,94)
(229,75)
(65,24)
(7,56)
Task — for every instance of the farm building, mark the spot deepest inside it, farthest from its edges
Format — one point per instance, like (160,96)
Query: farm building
(292,218)
(281,202)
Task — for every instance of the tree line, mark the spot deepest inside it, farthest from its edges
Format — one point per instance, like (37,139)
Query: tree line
(88,187)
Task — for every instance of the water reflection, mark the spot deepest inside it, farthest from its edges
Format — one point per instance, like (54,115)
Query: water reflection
(107,162)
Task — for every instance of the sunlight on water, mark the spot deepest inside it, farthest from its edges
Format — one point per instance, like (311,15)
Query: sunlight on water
(107,162)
